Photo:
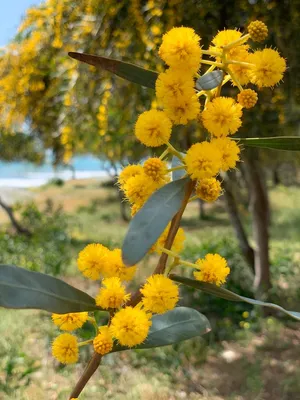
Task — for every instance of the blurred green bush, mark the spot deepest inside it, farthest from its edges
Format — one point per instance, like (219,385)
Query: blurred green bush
(48,250)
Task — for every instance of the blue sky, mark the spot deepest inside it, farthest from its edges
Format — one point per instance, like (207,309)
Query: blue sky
(11,12)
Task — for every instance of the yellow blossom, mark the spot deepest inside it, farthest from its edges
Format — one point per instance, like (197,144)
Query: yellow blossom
(103,342)
(258,31)
(222,116)
(130,326)
(212,269)
(180,49)
(247,98)
(203,160)
(182,109)
(156,169)
(92,260)
(153,128)
(268,67)
(139,188)
(229,152)
(208,189)
(160,294)
(224,38)
(116,267)
(129,172)
(241,72)
(113,294)
(65,348)
(71,321)
(174,83)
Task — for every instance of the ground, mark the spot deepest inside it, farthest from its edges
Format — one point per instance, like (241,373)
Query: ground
(260,362)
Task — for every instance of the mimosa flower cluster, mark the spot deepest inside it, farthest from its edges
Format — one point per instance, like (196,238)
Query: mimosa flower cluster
(179,103)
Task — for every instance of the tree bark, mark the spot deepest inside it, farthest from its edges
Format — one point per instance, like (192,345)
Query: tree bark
(232,209)
(201,209)
(259,206)
(18,227)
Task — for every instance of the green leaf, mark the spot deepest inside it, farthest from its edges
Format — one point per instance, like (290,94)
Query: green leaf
(210,80)
(20,288)
(291,143)
(176,162)
(130,72)
(177,325)
(151,220)
(228,295)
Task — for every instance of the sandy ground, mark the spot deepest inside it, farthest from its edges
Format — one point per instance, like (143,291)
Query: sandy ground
(11,195)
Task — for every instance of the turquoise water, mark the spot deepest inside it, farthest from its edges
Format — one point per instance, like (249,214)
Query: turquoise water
(25,174)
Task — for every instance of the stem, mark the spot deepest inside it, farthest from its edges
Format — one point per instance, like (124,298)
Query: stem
(176,168)
(193,198)
(235,79)
(180,261)
(85,377)
(175,152)
(242,63)
(212,53)
(237,42)
(93,321)
(216,64)
(164,154)
(80,344)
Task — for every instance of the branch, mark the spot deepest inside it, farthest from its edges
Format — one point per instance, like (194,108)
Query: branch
(18,227)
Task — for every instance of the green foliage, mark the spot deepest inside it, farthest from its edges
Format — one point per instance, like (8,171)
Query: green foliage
(24,289)
(152,219)
(48,249)
(291,143)
(130,72)
(179,324)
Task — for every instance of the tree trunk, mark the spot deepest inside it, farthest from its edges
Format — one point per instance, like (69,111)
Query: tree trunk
(123,206)
(18,227)
(236,222)
(259,206)
(275,176)
(201,209)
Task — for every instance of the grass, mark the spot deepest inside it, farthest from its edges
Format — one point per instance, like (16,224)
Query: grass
(257,362)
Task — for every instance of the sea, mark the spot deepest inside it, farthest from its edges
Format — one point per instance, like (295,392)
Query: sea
(25,174)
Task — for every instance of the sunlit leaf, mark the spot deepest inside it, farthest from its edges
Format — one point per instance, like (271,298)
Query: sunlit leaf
(228,295)
(20,288)
(291,143)
(177,325)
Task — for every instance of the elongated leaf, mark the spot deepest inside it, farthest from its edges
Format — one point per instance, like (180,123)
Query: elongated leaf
(210,80)
(228,295)
(20,288)
(151,220)
(177,325)
(176,162)
(291,143)
(130,72)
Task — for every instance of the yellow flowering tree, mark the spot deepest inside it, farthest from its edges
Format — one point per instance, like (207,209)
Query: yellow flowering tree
(158,191)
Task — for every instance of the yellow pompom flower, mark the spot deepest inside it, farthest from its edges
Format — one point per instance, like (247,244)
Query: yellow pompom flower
(130,326)
(113,294)
(268,67)
(203,160)
(222,116)
(65,348)
(208,189)
(180,49)
(225,37)
(212,269)
(71,321)
(92,260)
(129,172)
(116,267)
(157,170)
(139,188)
(174,83)
(160,294)
(258,31)
(178,243)
(153,128)
(240,71)
(247,98)
(230,152)
(103,342)
(182,109)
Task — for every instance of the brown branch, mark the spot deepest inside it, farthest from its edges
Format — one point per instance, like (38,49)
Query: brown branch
(136,297)
(87,374)
(18,227)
